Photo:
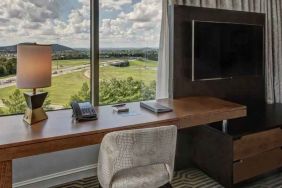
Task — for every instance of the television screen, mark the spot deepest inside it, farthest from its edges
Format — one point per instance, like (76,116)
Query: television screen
(223,50)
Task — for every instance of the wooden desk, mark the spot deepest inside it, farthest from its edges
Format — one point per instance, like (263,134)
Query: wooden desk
(60,132)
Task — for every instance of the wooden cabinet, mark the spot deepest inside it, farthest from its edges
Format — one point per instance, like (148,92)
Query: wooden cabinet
(253,144)
(257,165)
(231,160)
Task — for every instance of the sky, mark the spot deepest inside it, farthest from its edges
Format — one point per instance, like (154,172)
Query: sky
(123,23)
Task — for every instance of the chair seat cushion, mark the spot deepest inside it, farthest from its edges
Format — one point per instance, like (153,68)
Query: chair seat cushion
(152,176)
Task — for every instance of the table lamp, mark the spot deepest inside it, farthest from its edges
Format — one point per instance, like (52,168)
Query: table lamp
(34,71)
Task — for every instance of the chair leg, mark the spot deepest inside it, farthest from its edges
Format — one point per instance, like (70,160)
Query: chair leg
(168,185)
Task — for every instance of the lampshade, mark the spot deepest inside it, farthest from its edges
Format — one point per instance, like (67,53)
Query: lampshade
(33,66)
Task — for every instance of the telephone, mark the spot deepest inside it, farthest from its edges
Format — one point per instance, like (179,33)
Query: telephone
(83,111)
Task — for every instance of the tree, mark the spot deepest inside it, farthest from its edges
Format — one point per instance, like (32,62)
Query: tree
(2,112)
(16,102)
(3,70)
(82,95)
(118,91)
(8,67)
(128,90)
(11,66)
(2,60)
(149,92)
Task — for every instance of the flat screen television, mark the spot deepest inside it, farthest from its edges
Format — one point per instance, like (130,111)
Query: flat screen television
(226,50)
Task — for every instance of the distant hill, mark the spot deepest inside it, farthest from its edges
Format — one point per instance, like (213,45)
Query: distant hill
(61,48)
(55,48)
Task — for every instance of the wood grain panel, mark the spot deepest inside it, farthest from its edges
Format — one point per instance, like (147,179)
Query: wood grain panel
(256,143)
(6,174)
(14,132)
(62,144)
(212,153)
(49,146)
(60,132)
(248,90)
(257,165)
(205,118)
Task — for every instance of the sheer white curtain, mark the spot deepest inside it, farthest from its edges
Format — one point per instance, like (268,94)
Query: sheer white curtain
(273,41)
(164,55)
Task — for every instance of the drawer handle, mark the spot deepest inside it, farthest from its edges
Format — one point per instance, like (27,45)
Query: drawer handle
(241,161)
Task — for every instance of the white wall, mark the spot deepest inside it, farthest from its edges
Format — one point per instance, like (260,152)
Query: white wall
(43,169)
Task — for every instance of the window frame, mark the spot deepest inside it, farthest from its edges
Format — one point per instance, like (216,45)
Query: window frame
(94,57)
(94,54)
(94,51)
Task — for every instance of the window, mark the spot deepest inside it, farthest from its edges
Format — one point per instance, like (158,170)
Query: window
(129,42)
(63,23)
(128,38)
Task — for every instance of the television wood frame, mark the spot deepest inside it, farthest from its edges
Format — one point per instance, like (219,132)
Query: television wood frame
(248,90)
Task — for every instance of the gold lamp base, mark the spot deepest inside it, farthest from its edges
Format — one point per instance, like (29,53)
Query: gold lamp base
(34,112)
(34,116)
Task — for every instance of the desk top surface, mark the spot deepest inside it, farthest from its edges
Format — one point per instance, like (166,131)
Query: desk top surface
(14,132)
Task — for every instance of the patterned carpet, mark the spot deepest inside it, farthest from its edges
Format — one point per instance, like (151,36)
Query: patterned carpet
(191,178)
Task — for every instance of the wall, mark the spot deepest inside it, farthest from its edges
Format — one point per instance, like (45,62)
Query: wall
(55,168)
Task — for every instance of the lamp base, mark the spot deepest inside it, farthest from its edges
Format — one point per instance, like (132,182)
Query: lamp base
(34,112)
(32,116)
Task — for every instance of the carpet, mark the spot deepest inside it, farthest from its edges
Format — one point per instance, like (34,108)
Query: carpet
(191,178)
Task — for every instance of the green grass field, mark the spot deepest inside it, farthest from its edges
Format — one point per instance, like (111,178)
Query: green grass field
(140,63)
(64,86)
(139,70)
(60,64)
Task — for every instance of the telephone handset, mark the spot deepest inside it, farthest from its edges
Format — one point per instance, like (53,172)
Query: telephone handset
(83,111)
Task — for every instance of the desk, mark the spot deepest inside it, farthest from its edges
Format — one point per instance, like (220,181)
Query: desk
(60,132)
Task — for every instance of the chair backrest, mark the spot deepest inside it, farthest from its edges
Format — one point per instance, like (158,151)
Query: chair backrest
(136,148)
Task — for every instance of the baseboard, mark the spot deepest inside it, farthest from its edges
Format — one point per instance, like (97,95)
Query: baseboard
(58,178)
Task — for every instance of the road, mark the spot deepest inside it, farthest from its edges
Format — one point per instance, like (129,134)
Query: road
(11,81)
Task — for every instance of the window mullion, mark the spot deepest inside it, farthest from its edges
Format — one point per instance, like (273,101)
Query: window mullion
(95,51)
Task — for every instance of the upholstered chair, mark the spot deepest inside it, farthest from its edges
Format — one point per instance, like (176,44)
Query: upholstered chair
(140,158)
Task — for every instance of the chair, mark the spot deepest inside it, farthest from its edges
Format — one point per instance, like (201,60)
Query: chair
(141,158)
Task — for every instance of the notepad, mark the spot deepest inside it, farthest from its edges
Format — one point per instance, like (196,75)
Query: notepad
(155,107)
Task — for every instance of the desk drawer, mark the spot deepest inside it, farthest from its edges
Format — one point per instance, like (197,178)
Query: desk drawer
(256,143)
(257,165)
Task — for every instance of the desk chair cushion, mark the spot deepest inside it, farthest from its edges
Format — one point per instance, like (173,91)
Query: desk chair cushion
(124,150)
(151,176)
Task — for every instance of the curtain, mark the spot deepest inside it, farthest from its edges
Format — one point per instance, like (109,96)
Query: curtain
(163,68)
(273,36)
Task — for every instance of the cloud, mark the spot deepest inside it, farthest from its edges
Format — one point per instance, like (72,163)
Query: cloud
(145,11)
(30,25)
(43,21)
(114,4)
(127,22)
(138,27)
(28,9)
(3,20)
